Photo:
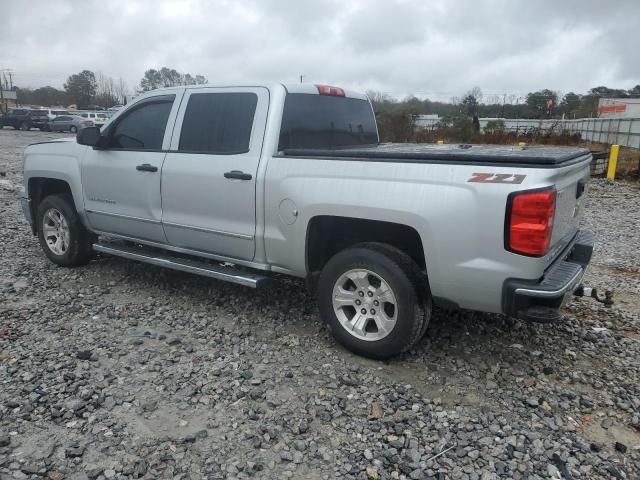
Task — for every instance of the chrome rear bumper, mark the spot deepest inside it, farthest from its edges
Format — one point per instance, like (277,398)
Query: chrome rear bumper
(541,301)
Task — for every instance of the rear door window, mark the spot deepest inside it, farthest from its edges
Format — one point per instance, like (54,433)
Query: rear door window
(218,123)
(323,121)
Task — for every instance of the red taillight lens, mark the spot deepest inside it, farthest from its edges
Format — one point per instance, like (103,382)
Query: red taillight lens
(328,90)
(530,222)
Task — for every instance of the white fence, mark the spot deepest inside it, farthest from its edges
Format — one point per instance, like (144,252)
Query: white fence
(622,131)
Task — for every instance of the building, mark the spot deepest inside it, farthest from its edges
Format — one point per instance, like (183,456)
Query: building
(426,121)
(619,108)
(8,99)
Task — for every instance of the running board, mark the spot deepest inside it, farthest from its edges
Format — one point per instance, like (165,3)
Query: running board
(219,272)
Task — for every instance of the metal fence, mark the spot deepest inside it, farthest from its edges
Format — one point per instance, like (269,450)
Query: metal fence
(623,131)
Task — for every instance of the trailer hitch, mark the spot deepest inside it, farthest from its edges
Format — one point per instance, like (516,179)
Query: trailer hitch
(606,298)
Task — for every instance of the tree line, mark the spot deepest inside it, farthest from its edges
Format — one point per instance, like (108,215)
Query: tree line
(88,89)
(95,90)
(396,118)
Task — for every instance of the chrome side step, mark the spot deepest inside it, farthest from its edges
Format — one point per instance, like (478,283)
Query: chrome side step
(160,259)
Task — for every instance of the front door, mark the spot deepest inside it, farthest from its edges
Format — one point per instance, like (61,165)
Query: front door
(209,175)
(121,180)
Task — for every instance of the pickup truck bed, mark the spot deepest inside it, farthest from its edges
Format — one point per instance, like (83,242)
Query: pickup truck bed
(498,155)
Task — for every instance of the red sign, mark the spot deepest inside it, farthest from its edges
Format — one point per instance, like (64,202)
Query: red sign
(614,108)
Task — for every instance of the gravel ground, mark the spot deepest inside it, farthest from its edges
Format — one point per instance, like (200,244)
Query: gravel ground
(123,370)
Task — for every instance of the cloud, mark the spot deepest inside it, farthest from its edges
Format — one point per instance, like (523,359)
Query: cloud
(437,48)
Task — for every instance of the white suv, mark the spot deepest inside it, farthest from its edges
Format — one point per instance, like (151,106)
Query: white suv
(98,118)
(53,112)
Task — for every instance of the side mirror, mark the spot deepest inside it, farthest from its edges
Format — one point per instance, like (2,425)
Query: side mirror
(89,136)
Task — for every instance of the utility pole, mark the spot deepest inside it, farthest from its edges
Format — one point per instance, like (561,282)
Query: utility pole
(10,80)
(504,100)
(301,77)
(2,109)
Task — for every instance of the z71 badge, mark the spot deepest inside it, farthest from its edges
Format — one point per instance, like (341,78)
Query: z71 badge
(496,178)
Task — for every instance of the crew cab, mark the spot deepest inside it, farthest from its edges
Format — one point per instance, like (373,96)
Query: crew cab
(241,183)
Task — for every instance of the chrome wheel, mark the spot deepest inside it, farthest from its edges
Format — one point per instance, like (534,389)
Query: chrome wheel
(55,230)
(365,304)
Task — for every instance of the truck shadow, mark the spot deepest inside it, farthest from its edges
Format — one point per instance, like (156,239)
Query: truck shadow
(287,303)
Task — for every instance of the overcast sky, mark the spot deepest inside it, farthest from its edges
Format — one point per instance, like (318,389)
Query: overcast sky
(437,49)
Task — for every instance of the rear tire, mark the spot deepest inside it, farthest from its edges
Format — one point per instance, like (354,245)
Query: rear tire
(62,236)
(24,126)
(375,300)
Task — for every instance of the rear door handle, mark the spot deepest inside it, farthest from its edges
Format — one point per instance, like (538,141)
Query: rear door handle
(237,174)
(147,167)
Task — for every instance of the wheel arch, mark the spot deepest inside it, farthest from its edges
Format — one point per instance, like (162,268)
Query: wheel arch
(329,234)
(39,188)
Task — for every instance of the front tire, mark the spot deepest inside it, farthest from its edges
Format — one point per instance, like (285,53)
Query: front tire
(62,236)
(73,129)
(24,126)
(375,300)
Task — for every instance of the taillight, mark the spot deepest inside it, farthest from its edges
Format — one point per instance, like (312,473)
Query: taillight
(328,90)
(530,221)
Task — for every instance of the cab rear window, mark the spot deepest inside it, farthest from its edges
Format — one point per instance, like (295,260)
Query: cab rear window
(323,121)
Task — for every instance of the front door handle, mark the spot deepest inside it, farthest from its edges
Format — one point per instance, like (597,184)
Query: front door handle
(146,167)
(237,174)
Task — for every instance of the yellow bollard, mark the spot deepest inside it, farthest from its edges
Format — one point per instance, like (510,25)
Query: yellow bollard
(613,162)
(440,142)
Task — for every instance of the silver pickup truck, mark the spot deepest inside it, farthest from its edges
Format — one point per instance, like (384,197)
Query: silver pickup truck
(241,183)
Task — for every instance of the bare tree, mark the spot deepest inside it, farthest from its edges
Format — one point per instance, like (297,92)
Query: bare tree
(105,90)
(476,93)
(121,91)
(378,97)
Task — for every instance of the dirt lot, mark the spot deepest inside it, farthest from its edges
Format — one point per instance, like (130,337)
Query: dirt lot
(233,383)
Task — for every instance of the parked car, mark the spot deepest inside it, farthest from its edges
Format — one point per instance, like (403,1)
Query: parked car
(238,183)
(53,113)
(35,119)
(69,123)
(15,117)
(25,119)
(98,118)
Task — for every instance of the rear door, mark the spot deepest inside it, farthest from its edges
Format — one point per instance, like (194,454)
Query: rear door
(17,116)
(60,123)
(209,175)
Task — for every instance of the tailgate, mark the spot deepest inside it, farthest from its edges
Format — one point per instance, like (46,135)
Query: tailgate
(571,186)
